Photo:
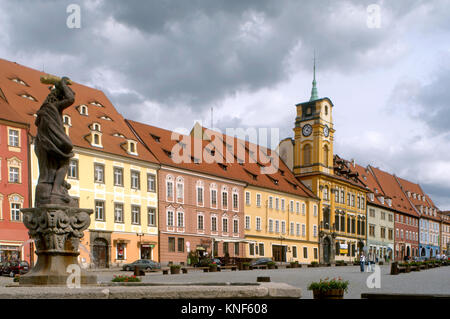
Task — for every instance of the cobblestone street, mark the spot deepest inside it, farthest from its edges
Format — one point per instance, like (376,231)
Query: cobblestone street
(431,281)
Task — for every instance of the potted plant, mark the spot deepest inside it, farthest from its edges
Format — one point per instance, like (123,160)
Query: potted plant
(270,265)
(212,267)
(314,264)
(126,279)
(329,289)
(294,264)
(175,269)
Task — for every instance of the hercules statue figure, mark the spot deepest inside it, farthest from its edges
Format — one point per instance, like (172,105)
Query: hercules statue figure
(53,147)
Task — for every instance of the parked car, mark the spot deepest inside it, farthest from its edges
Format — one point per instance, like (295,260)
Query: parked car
(142,264)
(260,261)
(12,268)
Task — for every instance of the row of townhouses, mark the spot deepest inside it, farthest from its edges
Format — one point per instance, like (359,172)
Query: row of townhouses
(157,194)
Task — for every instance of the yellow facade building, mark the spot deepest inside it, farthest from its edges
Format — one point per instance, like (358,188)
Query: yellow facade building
(342,193)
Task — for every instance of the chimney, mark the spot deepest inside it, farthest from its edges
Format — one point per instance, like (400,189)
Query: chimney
(353,162)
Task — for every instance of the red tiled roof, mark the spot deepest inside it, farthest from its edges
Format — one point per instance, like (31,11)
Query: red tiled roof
(37,92)
(160,142)
(373,185)
(392,189)
(344,170)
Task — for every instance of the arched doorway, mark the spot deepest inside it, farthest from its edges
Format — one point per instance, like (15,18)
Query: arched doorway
(408,252)
(326,250)
(423,253)
(100,253)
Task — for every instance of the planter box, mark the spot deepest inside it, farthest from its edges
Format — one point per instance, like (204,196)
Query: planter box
(174,271)
(329,294)
(212,269)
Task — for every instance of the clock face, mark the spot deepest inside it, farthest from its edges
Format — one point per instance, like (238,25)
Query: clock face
(326,131)
(307,130)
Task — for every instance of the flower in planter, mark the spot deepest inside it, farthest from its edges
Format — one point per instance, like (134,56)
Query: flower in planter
(325,285)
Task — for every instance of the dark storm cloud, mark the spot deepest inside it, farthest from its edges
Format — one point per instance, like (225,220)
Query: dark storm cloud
(197,52)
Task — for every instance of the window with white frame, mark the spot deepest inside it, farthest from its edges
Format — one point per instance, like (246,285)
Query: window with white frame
(180,219)
(247,198)
(151,183)
(169,188)
(282,204)
(235,200)
(170,218)
(277,226)
(15,211)
(291,206)
(200,222)
(247,222)
(135,214)
(277,203)
(270,202)
(297,207)
(72,172)
(13,138)
(270,225)
(258,223)
(315,230)
(135,179)
(292,229)
(258,200)
(224,199)
(235,226)
(303,230)
(303,209)
(200,195)
(118,176)
(283,227)
(180,189)
(118,212)
(213,223)
(14,175)
(151,216)
(213,196)
(315,210)
(99,173)
(297,229)
(99,210)
(224,225)
(294,251)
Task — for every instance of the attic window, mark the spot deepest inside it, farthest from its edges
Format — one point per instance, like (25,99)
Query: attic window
(211,152)
(223,166)
(119,135)
(17,80)
(253,176)
(66,120)
(96,140)
(28,96)
(83,109)
(156,138)
(275,181)
(168,153)
(282,172)
(104,117)
(132,147)
(96,103)
(96,127)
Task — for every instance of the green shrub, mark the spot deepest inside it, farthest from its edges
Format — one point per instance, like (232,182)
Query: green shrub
(325,285)
(126,279)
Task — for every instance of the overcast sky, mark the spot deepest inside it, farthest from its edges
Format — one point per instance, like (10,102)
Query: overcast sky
(167,63)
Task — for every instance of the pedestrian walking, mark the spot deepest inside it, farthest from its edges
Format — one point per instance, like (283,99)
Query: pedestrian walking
(362,261)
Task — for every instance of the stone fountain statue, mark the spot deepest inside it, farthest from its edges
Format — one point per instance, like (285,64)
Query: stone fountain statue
(55,223)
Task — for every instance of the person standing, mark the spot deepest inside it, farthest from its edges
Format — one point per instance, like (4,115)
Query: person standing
(362,261)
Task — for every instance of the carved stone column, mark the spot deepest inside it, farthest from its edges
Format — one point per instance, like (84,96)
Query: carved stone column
(56,230)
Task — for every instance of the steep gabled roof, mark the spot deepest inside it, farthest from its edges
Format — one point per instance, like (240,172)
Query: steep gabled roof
(25,94)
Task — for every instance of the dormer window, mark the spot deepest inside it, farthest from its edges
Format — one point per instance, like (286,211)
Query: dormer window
(409,194)
(119,135)
(132,147)
(156,138)
(66,120)
(83,109)
(96,103)
(106,118)
(96,139)
(17,80)
(96,127)
(28,96)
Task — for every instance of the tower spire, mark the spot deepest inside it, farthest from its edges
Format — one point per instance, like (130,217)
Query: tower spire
(314,95)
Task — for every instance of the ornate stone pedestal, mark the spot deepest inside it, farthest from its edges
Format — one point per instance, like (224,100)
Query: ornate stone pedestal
(56,230)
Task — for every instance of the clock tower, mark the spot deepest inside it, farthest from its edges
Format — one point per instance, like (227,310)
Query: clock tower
(313,140)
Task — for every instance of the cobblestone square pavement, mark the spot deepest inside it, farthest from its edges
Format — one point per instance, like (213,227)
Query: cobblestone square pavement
(431,281)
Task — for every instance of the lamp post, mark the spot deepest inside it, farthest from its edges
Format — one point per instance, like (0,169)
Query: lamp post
(140,244)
